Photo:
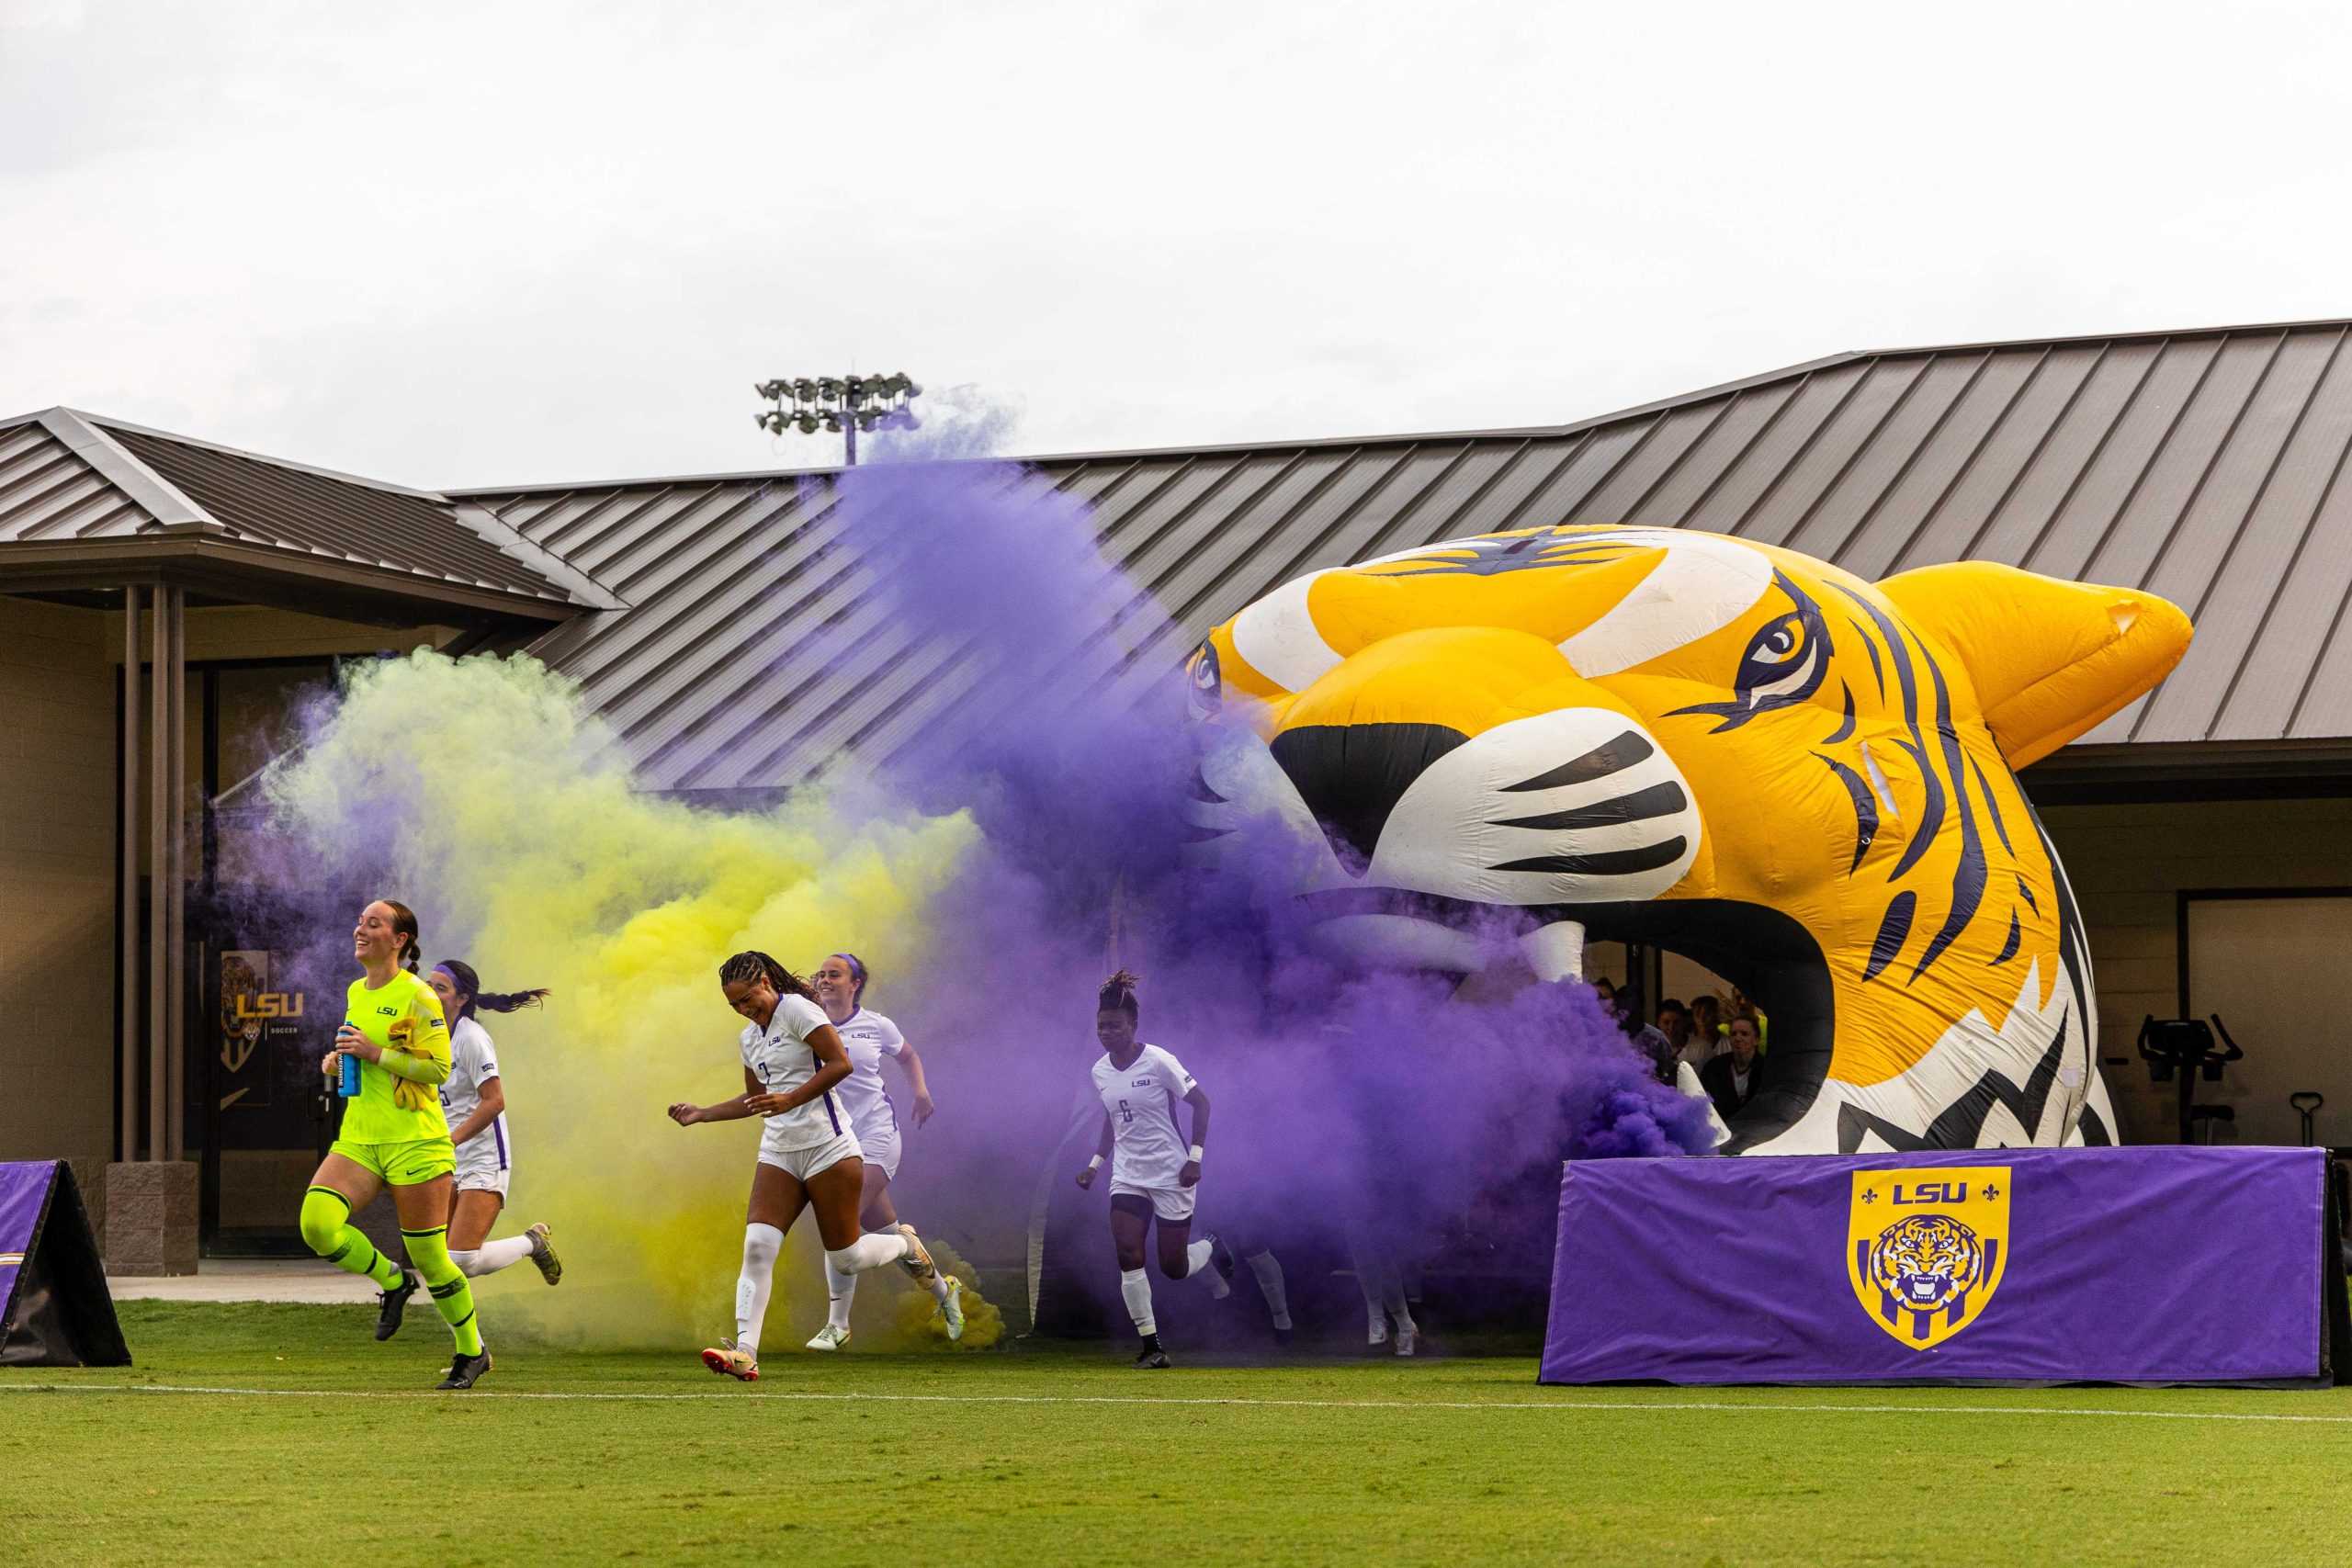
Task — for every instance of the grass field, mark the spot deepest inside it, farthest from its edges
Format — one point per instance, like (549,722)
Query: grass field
(284,1434)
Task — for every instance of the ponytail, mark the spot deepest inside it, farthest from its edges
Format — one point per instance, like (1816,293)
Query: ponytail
(1117,995)
(468,984)
(404,922)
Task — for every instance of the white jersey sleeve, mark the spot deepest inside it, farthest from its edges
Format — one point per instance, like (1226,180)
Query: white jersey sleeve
(1185,1083)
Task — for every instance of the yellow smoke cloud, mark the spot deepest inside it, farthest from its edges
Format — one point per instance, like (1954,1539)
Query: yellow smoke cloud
(509,820)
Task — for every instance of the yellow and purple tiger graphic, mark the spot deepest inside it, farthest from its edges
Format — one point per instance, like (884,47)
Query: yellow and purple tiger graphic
(1802,780)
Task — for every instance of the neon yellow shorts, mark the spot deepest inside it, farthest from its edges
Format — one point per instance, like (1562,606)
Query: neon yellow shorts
(403,1164)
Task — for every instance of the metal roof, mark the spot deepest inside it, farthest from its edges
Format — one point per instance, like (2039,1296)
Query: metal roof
(76,484)
(2203,464)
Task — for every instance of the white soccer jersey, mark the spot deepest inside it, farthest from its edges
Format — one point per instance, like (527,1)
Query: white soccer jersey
(1147,1148)
(781,1058)
(473,1062)
(867,1037)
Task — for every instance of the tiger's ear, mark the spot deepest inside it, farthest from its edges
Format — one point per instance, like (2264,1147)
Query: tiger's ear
(2050,660)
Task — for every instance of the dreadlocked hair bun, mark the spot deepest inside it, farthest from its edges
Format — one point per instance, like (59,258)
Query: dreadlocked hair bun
(752,964)
(1118,994)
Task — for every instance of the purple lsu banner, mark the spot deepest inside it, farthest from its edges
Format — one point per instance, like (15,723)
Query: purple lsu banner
(24,1195)
(2153,1264)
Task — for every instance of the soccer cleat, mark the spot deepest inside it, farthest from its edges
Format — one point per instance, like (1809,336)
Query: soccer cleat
(952,1309)
(917,1262)
(466,1371)
(1378,1333)
(830,1338)
(1408,1334)
(543,1254)
(1220,1259)
(1283,1336)
(727,1362)
(1153,1360)
(392,1303)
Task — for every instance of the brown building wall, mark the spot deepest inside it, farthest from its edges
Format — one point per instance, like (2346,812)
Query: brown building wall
(58,666)
(2128,866)
(57,882)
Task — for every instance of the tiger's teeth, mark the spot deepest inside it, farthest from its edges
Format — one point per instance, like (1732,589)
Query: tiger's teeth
(1555,951)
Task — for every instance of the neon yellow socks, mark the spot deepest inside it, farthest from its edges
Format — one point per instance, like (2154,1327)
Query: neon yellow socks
(327,1231)
(452,1297)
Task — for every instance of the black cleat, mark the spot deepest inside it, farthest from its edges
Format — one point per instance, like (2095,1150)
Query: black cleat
(1152,1361)
(1283,1336)
(393,1302)
(464,1370)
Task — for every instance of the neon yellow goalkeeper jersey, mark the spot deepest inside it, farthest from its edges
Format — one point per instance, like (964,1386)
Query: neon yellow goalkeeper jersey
(404,1015)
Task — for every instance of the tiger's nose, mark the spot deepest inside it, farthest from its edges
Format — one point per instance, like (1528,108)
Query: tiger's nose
(1353,776)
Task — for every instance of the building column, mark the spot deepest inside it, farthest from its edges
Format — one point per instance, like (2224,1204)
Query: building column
(127,984)
(152,1202)
(173,1146)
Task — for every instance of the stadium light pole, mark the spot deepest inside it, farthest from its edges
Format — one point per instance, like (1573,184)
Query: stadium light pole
(839,405)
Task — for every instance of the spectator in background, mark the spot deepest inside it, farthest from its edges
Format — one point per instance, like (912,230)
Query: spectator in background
(1626,1008)
(1730,1078)
(1706,1026)
(1674,1023)
(1741,1006)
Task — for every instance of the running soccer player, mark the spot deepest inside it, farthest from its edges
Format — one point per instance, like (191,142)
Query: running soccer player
(394,1135)
(1153,1173)
(473,1102)
(866,1037)
(793,1063)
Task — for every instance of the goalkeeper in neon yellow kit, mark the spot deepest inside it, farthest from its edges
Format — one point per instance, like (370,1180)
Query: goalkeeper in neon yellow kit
(394,1135)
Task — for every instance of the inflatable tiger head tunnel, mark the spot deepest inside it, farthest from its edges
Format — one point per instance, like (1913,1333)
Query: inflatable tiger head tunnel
(1488,751)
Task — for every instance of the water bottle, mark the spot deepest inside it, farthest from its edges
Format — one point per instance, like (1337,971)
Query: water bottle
(346,1083)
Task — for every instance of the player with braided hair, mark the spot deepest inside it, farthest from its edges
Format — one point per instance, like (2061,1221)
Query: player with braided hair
(793,1063)
(1153,1174)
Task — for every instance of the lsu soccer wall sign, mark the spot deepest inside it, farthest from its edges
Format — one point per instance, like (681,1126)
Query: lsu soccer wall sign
(1925,1249)
(1477,755)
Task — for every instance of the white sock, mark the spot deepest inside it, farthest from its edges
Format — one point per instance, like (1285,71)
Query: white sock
(1270,1280)
(1135,1286)
(761,1245)
(1371,1269)
(869,1251)
(840,1291)
(491,1256)
(1196,1258)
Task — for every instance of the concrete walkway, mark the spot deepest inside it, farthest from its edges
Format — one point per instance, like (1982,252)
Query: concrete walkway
(305,1280)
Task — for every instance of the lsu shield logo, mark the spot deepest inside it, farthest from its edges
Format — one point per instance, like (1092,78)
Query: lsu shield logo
(1925,1249)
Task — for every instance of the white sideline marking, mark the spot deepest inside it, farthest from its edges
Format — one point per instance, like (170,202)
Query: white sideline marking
(1564,1404)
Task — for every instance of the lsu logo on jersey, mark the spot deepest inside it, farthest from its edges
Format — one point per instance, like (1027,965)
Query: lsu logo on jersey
(1925,1249)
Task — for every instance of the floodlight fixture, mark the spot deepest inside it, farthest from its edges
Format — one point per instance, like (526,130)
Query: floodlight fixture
(840,405)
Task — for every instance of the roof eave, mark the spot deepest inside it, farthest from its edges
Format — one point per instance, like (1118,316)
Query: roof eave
(206,556)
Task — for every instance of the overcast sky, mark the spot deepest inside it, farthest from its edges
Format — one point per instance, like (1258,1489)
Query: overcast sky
(495,244)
